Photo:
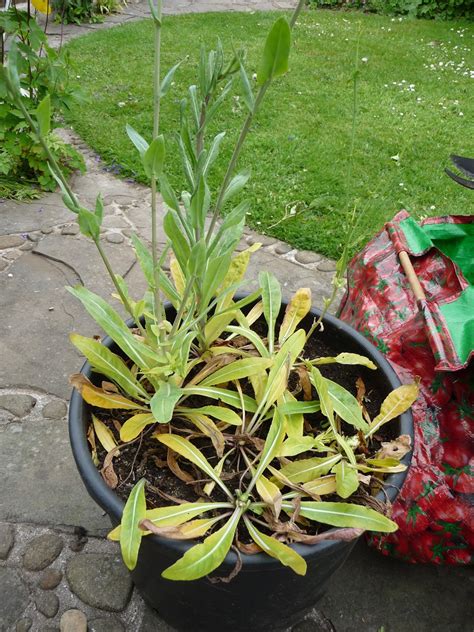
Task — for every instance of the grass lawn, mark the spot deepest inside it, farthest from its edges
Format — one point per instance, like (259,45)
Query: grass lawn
(415,107)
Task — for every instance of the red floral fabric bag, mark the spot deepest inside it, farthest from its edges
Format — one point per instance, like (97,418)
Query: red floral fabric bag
(434,340)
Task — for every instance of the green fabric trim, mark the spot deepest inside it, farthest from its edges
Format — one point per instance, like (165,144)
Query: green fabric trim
(459,317)
(456,241)
(417,240)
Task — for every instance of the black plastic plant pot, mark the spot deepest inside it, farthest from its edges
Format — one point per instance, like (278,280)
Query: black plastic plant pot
(264,596)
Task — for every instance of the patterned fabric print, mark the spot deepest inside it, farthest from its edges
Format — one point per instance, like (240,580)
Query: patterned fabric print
(434,509)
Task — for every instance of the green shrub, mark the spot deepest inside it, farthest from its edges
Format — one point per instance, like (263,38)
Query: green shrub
(444,9)
(43,71)
(75,11)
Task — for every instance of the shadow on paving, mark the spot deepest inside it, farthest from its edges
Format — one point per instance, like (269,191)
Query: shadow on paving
(372,591)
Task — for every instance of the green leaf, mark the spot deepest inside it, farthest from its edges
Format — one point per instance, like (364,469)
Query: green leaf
(276,52)
(346,358)
(325,400)
(346,406)
(271,298)
(163,402)
(298,408)
(186,449)
(154,158)
(343,515)
(43,115)
(180,245)
(249,99)
(306,470)
(278,375)
(134,426)
(213,152)
(168,79)
(295,446)
(237,370)
(203,558)
(130,533)
(114,326)
(276,549)
(110,364)
(236,185)
(140,143)
(347,481)
(228,397)
(396,403)
(271,448)
(88,223)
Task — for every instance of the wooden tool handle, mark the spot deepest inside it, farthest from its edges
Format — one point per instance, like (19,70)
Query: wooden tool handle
(411,276)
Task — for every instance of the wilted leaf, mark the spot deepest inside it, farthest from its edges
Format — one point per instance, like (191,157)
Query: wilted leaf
(276,549)
(188,531)
(396,403)
(205,425)
(189,451)
(395,449)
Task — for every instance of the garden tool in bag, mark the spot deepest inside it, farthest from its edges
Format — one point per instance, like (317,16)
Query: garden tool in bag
(411,292)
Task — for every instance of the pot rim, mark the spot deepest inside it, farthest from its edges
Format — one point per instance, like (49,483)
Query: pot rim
(108,500)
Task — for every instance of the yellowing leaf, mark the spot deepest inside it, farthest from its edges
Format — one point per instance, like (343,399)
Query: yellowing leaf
(269,493)
(43,6)
(305,470)
(295,446)
(346,358)
(347,480)
(218,412)
(235,274)
(104,434)
(321,486)
(100,398)
(296,310)
(134,426)
(396,403)
(276,549)
(177,275)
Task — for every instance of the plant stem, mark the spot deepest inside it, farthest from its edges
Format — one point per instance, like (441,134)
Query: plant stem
(154,194)
(243,134)
(235,156)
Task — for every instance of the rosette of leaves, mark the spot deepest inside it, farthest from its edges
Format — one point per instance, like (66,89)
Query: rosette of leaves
(220,384)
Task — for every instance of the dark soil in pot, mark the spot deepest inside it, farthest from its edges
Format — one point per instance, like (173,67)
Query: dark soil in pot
(264,595)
